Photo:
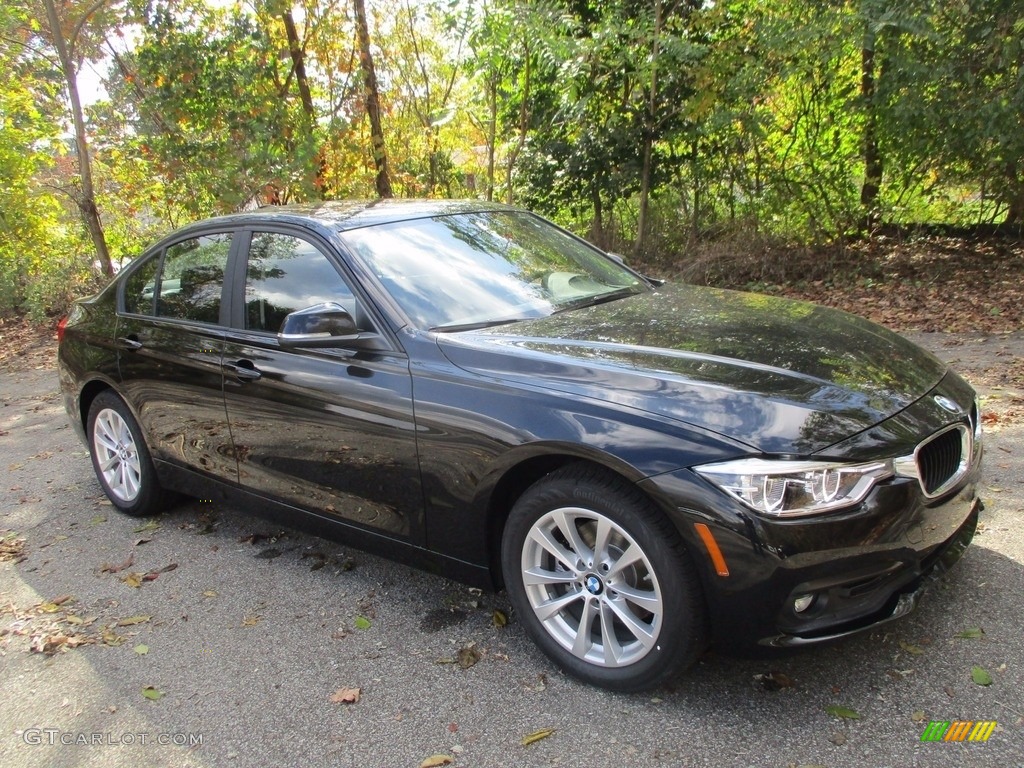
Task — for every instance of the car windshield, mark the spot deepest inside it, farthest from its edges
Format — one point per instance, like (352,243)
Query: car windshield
(471,270)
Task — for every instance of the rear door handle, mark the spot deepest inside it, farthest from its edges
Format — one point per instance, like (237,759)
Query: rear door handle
(125,342)
(244,370)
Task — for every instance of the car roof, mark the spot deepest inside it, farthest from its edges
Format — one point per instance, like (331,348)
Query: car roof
(341,215)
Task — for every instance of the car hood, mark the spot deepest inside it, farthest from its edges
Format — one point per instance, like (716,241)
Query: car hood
(781,376)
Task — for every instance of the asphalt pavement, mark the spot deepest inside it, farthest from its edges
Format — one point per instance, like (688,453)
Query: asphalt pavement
(207,637)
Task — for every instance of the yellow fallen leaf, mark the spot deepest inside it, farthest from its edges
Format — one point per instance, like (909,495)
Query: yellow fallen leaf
(209,593)
(133,620)
(251,621)
(499,619)
(434,761)
(133,580)
(536,736)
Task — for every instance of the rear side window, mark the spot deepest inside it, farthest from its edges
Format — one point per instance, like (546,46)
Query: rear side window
(286,273)
(192,278)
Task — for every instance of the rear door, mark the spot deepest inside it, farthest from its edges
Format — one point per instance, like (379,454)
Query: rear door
(171,339)
(327,430)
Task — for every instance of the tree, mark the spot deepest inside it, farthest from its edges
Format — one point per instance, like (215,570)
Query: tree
(371,97)
(69,56)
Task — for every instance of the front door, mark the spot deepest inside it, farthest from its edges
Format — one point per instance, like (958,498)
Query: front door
(328,430)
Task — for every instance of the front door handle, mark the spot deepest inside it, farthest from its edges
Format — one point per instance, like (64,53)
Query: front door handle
(128,343)
(243,370)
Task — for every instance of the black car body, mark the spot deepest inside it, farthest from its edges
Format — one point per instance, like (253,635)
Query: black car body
(670,463)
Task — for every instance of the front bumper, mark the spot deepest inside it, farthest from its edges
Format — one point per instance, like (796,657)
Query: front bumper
(898,591)
(800,581)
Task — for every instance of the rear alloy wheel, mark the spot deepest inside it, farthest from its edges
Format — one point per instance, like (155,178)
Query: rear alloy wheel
(602,581)
(120,457)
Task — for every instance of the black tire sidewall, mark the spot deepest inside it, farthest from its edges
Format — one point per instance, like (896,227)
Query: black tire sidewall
(683,632)
(148,500)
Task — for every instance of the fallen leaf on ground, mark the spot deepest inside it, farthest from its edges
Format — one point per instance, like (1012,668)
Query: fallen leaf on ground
(52,606)
(251,621)
(151,525)
(981,676)
(109,637)
(152,693)
(844,712)
(362,622)
(971,634)
(345,696)
(435,761)
(108,568)
(152,575)
(536,736)
(773,681)
(141,649)
(141,619)
(467,656)
(918,716)
(133,580)
(499,619)
(917,650)
(51,642)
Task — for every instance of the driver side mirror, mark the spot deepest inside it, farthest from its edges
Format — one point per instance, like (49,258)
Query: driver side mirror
(321,325)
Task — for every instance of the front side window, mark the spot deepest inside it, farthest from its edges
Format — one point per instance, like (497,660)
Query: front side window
(472,270)
(192,278)
(285,274)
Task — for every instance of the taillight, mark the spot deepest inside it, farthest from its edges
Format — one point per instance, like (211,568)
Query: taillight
(60,328)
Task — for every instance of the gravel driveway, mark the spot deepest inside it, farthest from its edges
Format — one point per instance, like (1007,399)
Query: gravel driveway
(210,638)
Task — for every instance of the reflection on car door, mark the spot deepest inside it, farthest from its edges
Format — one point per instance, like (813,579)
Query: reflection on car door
(170,341)
(328,430)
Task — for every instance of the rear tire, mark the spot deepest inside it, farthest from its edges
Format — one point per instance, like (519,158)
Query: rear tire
(121,459)
(602,581)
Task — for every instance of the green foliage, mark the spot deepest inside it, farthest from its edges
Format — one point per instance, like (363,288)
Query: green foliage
(690,120)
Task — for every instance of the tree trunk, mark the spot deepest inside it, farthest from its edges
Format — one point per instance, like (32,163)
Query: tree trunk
(650,121)
(492,132)
(872,156)
(86,201)
(299,66)
(524,125)
(372,98)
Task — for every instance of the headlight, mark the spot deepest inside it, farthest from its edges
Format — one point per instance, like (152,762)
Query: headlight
(793,488)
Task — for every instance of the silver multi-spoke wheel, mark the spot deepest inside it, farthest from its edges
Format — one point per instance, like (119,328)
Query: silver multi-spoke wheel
(592,587)
(117,455)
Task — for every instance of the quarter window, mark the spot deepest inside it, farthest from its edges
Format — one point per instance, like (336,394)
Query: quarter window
(287,273)
(192,278)
(140,288)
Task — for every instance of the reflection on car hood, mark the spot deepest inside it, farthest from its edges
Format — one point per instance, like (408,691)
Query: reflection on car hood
(782,376)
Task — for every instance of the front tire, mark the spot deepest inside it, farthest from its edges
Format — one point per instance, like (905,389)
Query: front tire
(120,457)
(602,581)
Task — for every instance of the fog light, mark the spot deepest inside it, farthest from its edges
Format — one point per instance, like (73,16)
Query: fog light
(802,603)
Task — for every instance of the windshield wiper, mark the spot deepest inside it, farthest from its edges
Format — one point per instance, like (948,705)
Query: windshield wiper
(477,326)
(591,301)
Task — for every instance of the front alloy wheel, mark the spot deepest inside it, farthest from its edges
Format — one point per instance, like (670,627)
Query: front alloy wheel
(602,581)
(592,587)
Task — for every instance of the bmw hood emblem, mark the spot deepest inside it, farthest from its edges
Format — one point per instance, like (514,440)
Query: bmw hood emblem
(945,403)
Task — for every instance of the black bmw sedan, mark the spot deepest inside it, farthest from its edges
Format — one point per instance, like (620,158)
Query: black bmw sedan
(467,388)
